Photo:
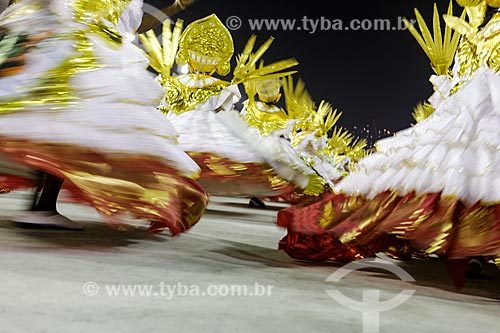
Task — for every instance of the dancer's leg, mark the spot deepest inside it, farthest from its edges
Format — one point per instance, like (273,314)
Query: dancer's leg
(47,199)
(43,212)
(257,203)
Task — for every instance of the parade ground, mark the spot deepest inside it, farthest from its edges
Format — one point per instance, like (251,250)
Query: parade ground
(225,275)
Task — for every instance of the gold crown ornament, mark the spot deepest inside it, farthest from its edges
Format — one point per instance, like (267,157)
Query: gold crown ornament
(206,45)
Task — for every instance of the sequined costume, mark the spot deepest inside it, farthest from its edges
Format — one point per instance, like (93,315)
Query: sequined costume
(433,187)
(76,101)
(309,130)
(324,145)
(235,159)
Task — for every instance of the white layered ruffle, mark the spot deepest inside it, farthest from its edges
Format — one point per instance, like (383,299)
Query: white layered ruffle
(226,134)
(275,151)
(456,150)
(115,112)
(309,149)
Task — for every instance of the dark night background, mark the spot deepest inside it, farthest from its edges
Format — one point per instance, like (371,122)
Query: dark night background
(373,77)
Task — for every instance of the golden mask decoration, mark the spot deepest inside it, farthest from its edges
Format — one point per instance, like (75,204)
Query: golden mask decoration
(268,90)
(206,45)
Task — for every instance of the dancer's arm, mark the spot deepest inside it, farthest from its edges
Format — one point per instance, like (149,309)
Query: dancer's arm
(153,20)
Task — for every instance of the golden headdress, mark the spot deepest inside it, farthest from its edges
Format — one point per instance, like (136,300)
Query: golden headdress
(476,12)
(473,3)
(440,48)
(321,121)
(206,45)
(469,3)
(161,56)
(493,3)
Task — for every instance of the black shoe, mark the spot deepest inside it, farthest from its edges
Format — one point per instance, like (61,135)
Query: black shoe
(475,268)
(256,203)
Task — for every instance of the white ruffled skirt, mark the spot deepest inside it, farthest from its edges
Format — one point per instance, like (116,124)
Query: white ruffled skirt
(111,144)
(226,134)
(456,150)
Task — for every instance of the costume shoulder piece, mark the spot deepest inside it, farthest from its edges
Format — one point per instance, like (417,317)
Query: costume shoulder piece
(181,96)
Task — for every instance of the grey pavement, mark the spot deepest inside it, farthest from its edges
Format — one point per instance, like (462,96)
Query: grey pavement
(225,275)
